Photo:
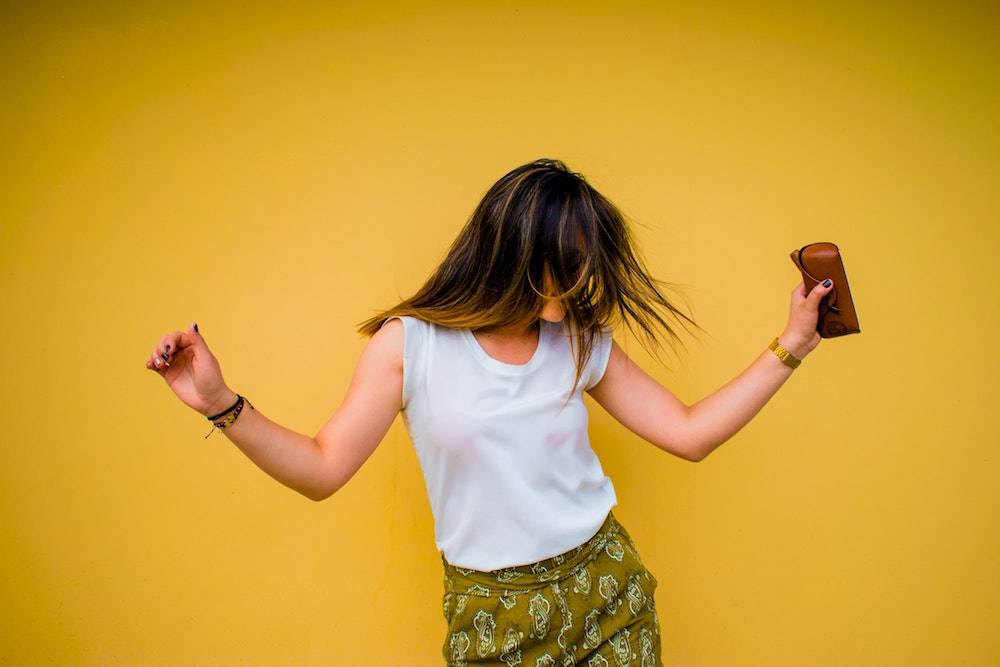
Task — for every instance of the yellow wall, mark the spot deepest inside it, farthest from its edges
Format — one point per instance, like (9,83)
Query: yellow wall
(279,175)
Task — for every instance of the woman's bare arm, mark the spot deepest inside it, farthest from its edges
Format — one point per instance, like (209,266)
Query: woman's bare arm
(317,467)
(649,410)
(373,400)
(652,412)
(644,406)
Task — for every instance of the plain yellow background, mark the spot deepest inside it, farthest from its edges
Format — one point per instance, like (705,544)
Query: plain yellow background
(280,174)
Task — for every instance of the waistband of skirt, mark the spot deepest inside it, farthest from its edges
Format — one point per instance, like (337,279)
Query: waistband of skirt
(527,577)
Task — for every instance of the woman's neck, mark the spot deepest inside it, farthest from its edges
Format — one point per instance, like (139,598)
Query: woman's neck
(524,331)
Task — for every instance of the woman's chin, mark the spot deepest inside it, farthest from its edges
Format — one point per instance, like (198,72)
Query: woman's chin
(550,316)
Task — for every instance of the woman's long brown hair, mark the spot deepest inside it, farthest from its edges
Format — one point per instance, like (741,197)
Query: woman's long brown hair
(535,217)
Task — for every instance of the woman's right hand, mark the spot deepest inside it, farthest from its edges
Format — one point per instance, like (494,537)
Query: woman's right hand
(191,370)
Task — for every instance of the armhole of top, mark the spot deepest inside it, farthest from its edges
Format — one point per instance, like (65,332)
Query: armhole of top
(407,351)
(600,356)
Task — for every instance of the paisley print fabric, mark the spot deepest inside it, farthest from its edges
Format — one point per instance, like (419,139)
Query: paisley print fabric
(592,605)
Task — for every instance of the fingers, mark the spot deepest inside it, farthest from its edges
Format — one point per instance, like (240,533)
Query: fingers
(160,359)
(170,344)
(189,338)
(164,351)
(820,290)
(156,364)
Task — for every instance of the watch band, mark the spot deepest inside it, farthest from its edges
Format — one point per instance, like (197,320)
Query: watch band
(786,357)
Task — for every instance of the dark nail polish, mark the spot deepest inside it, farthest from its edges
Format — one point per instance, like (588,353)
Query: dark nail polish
(196,327)
(168,347)
(826,283)
(164,356)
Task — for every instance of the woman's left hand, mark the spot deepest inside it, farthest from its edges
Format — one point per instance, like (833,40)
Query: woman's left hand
(800,336)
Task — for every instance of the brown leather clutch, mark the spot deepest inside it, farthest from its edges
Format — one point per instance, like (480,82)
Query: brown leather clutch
(817,262)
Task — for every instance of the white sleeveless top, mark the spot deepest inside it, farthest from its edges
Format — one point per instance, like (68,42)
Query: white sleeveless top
(511,477)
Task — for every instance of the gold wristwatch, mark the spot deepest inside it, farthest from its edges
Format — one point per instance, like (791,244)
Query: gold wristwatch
(786,357)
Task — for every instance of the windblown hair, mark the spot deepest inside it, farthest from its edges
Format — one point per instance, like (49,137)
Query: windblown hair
(539,215)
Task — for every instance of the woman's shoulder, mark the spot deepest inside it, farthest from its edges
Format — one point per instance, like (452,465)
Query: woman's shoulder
(406,320)
(414,330)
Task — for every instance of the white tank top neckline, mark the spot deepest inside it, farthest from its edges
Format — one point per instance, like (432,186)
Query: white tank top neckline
(493,363)
(507,463)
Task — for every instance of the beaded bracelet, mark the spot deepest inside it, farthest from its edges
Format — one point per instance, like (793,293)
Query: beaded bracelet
(228,420)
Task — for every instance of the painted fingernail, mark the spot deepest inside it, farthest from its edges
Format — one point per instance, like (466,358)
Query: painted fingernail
(164,356)
(826,283)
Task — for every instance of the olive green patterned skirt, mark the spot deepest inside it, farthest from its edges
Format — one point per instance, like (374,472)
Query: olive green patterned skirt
(592,605)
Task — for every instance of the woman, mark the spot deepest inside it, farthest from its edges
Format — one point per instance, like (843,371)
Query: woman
(489,371)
